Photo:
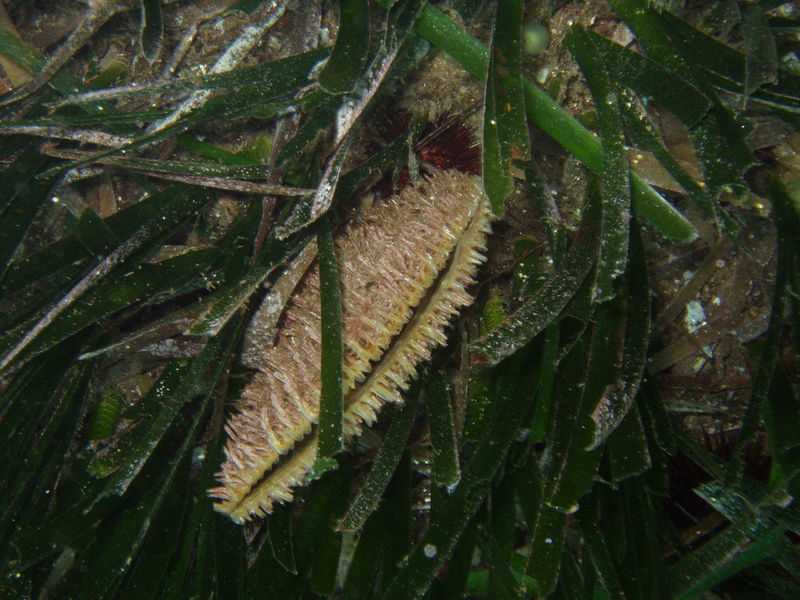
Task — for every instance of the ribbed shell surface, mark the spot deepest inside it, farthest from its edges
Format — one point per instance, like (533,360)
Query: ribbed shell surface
(404,266)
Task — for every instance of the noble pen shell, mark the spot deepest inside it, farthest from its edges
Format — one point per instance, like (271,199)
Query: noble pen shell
(405,266)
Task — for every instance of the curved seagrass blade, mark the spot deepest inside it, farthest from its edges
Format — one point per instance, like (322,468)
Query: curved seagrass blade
(404,268)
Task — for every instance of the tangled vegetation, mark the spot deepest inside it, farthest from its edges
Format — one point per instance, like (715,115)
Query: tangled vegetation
(617,414)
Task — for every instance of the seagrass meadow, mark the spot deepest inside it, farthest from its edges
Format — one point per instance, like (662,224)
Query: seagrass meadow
(366,299)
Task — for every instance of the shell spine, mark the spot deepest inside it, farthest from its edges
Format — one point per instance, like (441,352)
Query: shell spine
(404,268)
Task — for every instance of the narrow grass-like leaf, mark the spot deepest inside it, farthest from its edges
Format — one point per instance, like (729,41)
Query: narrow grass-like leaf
(349,54)
(158,547)
(651,79)
(606,507)
(745,497)
(75,527)
(510,407)
(742,502)
(769,379)
(725,67)
(175,582)
(369,496)
(782,418)
(175,167)
(546,527)
(322,115)
(200,527)
(228,557)
(220,546)
(11,46)
(453,584)
(267,577)
(660,213)
(385,535)
(159,328)
(30,59)
(641,131)
(570,469)
(322,579)
(325,505)
(521,587)
(66,84)
(350,112)
(228,299)
(544,384)
(506,62)
(627,449)
(399,533)
(117,121)
(152,28)
(92,232)
(787,247)
(788,557)
(281,537)
(656,416)
(159,212)
(552,118)
(36,428)
(594,364)
(616,198)
(57,133)
(673,93)
(719,133)
(505,134)
(647,579)
(617,397)
(572,583)
(741,545)
(42,409)
(228,61)
(270,79)
(282,77)
(496,180)
(130,529)
(438,29)
(722,134)
(110,75)
(95,17)
(366,560)
(21,201)
(500,583)
(63,82)
(444,447)
(599,551)
(761,55)
(104,300)
(307,210)
(331,401)
(215,153)
(538,311)
(173,389)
